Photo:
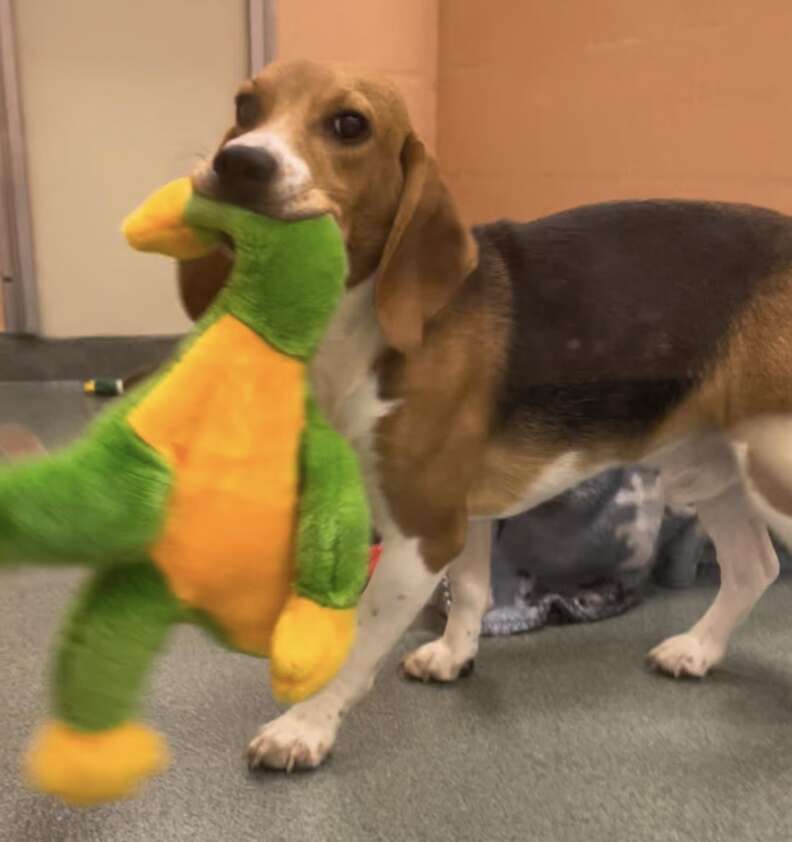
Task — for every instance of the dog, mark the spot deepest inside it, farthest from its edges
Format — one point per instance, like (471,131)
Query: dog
(479,373)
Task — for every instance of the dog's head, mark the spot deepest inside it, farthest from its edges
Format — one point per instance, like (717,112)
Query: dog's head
(312,138)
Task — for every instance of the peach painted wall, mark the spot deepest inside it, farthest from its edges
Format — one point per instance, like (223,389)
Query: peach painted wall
(395,37)
(544,105)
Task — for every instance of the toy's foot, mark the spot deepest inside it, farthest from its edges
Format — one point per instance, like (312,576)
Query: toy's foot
(436,661)
(300,739)
(685,655)
(309,645)
(159,225)
(84,768)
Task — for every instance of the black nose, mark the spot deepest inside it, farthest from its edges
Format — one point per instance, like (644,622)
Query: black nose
(244,163)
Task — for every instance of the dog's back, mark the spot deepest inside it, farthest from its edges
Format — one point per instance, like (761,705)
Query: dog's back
(622,309)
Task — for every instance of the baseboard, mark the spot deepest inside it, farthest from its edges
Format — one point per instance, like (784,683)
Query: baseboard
(32,358)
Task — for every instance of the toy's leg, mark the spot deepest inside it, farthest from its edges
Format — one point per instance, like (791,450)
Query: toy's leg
(400,586)
(316,628)
(99,503)
(92,751)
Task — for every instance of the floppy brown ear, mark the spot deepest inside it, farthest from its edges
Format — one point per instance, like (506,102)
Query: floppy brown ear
(201,280)
(427,256)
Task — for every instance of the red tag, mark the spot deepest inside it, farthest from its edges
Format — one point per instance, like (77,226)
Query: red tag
(374,556)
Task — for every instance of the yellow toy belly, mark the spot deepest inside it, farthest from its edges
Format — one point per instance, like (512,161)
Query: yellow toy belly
(228,418)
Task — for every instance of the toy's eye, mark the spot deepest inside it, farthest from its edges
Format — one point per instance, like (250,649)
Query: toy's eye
(247,111)
(350,126)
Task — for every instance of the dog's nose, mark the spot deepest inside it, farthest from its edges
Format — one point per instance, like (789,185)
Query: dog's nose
(244,163)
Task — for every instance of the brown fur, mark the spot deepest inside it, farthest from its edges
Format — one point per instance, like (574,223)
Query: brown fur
(758,363)
(609,331)
(427,256)
(398,219)
(200,280)
(359,184)
(432,446)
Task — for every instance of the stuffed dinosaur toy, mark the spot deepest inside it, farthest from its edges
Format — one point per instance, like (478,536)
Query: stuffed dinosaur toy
(215,493)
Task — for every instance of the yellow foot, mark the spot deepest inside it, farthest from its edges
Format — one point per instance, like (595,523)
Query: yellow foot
(84,768)
(309,645)
(158,224)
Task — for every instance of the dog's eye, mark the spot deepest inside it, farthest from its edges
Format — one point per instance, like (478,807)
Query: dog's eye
(350,126)
(247,111)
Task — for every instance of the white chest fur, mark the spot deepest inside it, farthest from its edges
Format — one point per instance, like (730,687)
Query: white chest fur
(343,381)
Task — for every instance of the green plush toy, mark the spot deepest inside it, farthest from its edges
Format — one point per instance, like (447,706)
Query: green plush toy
(216,493)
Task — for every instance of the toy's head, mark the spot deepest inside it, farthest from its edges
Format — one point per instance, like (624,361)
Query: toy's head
(288,277)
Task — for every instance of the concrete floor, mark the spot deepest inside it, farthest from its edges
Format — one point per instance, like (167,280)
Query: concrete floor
(557,736)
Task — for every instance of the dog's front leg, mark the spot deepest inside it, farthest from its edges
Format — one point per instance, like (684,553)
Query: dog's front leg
(399,588)
(451,655)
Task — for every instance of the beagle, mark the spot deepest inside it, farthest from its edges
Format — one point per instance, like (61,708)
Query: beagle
(480,373)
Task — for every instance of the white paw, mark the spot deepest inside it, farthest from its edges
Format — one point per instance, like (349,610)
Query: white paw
(436,661)
(296,740)
(685,654)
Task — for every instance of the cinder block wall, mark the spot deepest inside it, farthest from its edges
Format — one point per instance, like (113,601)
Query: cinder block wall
(395,37)
(543,105)
(531,106)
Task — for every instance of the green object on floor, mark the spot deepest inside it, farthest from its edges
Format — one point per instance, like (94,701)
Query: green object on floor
(104,387)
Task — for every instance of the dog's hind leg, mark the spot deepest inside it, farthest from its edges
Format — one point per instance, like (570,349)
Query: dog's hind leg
(763,448)
(451,655)
(748,565)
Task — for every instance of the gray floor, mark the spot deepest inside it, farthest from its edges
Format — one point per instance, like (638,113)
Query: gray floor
(31,358)
(557,736)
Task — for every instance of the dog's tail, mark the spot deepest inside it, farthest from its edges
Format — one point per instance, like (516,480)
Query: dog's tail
(99,503)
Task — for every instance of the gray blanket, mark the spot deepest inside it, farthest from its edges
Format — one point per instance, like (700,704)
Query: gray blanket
(588,554)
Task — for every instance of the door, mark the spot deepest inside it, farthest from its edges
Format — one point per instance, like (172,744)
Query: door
(18,299)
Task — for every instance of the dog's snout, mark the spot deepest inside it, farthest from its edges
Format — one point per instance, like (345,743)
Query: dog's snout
(244,164)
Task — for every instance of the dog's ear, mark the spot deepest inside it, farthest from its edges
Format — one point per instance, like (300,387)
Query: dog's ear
(201,280)
(427,256)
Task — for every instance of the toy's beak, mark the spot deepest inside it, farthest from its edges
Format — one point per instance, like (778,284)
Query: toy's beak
(158,224)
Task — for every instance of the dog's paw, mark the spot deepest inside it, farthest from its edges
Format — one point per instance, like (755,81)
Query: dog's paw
(685,655)
(293,741)
(436,661)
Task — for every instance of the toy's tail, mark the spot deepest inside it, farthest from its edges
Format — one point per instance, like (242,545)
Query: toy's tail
(98,503)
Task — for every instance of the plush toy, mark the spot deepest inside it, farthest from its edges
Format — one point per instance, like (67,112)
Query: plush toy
(214,493)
